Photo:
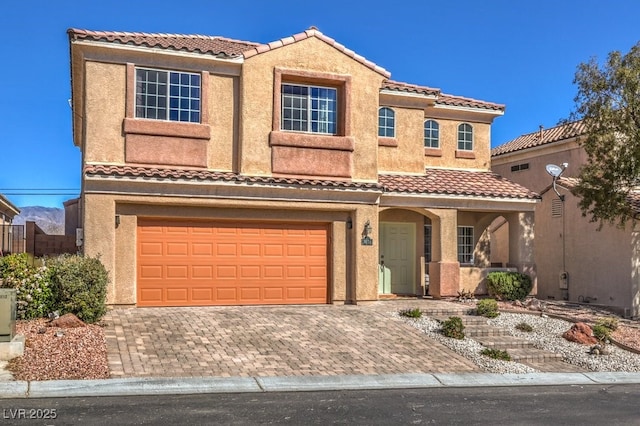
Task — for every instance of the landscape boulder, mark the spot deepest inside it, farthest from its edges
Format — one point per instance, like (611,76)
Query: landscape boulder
(580,333)
(67,321)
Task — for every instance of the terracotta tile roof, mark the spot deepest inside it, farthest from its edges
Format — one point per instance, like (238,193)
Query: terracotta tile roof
(217,46)
(456,182)
(541,137)
(459,101)
(106,170)
(410,88)
(314,32)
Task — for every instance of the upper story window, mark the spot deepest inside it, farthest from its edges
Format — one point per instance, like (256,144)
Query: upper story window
(465,244)
(311,109)
(167,95)
(386,122)
(431,134)
(465,137)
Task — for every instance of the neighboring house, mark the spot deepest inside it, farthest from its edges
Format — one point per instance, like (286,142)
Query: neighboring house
(575,261)
(8,242)
(218,171)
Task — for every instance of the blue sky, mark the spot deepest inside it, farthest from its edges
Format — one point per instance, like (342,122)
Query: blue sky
(520,53)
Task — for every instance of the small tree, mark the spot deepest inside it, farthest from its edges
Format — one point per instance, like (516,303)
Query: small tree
(608,102)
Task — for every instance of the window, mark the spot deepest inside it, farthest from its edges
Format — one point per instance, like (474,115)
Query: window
(431,134)
(386,122)
(427,244)
(465,137)
(465,244)
(167,95)
(309,109)
(520,167)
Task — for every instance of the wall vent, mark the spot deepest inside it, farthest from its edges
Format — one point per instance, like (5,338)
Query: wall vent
(556,207)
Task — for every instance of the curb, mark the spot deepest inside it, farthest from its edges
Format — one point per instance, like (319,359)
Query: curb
(212,385)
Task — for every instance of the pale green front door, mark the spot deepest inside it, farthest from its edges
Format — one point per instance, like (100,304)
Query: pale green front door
(397,258)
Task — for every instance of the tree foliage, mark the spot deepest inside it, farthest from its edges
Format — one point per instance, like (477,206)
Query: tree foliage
(608,102)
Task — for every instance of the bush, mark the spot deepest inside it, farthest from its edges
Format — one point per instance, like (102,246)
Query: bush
(609,322)
(487,308)
(509,285)
(411,313)
(523,326)
(79,286)
(601,332)
(496,354)
(453,328)
(34,297)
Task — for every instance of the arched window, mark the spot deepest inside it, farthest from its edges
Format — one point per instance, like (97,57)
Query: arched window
(386,122)
(465,137)
(431,134)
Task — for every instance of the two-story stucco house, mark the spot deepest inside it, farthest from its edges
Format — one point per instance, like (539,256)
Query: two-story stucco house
(7,212)
(576,261)
(218,171)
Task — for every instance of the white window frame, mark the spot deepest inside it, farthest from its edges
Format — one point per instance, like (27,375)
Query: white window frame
(386,122)
(431,134)
(167,99)
(307,106)
(465,244)
(465,137)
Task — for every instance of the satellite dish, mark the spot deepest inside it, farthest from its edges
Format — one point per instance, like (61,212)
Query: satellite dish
(554,170)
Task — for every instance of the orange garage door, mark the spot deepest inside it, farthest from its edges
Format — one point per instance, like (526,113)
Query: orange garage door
(206,263)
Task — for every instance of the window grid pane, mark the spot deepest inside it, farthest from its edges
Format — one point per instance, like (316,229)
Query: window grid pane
(166,95)
(386,123)
(427,244)
(309,109)
(465,137)
(431,134)
(465,244)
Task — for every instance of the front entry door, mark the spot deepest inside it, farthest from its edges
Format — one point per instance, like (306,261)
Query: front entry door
(397,258)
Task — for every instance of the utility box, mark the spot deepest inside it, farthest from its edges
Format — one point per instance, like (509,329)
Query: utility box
(7,314)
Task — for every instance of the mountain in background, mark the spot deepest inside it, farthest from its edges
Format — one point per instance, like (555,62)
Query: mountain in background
(49,219)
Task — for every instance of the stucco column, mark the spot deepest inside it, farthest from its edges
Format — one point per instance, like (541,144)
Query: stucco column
(444,269)
(521,233)
(365,257)
(99,236)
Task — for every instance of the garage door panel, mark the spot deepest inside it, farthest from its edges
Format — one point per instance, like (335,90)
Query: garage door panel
(182,263)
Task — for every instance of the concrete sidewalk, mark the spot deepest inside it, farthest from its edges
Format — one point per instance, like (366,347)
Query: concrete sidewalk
(193,385)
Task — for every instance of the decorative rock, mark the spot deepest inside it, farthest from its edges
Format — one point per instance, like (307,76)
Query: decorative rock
(580,333)
(535,305)
(67,321)
(599,350)
(42,330)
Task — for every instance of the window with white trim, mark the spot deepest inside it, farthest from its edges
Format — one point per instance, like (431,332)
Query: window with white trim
(465,244)
(386,122)
(168,95)
(465,137)
(431,134)
(311,109)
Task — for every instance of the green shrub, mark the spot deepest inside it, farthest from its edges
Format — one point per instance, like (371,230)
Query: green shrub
(79,286)
(487,308)
(411,313)
(523,326)
(453,328)
(496,354)
(601,332)
(34,296)
(610,322)
(509,285)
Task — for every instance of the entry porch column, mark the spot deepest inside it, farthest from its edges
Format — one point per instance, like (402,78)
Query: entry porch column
(444,269)
(521,233)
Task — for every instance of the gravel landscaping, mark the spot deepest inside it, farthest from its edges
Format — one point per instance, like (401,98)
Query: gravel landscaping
(546,334)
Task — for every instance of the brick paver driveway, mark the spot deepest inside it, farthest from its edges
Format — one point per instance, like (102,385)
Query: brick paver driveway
(250,341)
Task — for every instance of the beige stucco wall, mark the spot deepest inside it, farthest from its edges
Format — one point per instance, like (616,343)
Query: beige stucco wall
(536,177)
(256,93)
(223,113)
(602,264)
(449,145)
(104,111)
(407,156)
